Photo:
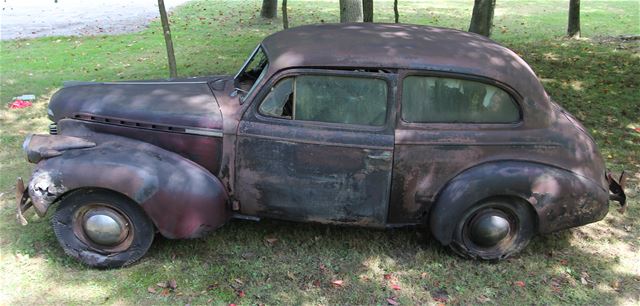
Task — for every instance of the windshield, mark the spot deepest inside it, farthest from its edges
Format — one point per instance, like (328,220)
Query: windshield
(251,72)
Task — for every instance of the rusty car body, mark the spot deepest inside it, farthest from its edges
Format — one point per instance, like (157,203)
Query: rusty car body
(378,125)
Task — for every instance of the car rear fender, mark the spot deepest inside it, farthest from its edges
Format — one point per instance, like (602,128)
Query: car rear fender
(561,199)
(183,199)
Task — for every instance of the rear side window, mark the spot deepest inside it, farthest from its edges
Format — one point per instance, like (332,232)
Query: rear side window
(331,99)
(447,100)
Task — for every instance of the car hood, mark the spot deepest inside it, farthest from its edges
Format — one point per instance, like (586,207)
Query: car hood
(180,103)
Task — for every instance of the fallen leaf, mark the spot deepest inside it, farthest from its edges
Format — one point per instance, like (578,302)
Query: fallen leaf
(395,287)
(316,283)
(337,283)
(172,284)
(615,285)
(440,295)
(584,281)
(520,284)
(271,240)
(162,284)
(322,267)
(240,293)
(564,262)
(164,292)
(247,255)
(237,280)
(151,289)
(483,299)
(387,276)
(424,275)
(392,301)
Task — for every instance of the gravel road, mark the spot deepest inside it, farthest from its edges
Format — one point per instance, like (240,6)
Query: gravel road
(36,18)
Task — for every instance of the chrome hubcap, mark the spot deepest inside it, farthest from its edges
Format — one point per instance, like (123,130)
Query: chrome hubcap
(489,229)
(104,226)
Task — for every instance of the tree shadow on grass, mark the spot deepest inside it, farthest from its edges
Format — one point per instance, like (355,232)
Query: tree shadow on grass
(277,262)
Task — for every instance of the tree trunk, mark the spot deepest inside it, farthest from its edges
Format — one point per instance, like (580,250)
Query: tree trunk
(350,10)
(173,72)
(269,9)
(396,15)
(482,18)
(285,17)
(367,10)
(573,30)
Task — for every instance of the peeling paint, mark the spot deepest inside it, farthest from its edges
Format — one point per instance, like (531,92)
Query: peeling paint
(44,188)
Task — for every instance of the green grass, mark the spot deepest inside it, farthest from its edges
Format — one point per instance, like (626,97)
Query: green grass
(596,78)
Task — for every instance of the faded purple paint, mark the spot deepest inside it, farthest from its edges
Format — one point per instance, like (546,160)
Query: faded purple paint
(393,175)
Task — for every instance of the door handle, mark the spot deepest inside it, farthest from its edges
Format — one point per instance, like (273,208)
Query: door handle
(380,156)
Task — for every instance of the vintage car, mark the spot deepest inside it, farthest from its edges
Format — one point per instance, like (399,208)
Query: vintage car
(378,125)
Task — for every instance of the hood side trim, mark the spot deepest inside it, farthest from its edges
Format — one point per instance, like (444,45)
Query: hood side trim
(147,125)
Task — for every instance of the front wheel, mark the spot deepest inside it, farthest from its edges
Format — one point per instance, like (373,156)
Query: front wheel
(494,229)
(102,229)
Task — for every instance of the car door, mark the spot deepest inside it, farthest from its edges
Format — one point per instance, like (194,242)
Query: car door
(317,145)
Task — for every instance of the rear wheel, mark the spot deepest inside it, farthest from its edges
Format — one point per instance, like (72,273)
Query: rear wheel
(494,229)
(102,229)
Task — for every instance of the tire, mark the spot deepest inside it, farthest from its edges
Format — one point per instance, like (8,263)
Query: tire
(102,229)
(475,240)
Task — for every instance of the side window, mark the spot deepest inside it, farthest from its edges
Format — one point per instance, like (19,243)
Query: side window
(279,102)
(445,100)
(332,99)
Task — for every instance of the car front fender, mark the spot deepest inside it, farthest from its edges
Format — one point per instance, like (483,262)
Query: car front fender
(561,199)
(183,199)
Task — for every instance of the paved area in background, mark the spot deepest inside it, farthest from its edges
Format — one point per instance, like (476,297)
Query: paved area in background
(36,18)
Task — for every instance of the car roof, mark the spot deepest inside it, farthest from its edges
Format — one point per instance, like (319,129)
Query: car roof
(401,46)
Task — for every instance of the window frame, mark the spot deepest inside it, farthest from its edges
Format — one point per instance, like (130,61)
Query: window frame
(389,79)
(515,96)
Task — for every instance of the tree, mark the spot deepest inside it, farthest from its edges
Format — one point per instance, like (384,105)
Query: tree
(482,17)
(285,17)
(350,10)
(269,9)
(396,15)
(367,10)
(173,72)
(573,29)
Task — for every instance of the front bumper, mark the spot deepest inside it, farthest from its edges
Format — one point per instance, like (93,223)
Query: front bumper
(616,190)
(24,202)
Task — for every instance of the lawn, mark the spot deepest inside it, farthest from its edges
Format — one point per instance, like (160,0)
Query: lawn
(271,262)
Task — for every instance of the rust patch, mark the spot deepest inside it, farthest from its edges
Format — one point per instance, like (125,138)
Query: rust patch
(44,188)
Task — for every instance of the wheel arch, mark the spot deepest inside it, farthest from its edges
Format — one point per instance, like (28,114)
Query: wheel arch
(182,199)
(558,198)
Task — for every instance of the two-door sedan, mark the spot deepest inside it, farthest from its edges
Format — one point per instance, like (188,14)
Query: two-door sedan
(378,125)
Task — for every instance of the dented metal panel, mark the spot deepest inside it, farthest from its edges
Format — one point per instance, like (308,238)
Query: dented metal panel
(313,171)
(183,199)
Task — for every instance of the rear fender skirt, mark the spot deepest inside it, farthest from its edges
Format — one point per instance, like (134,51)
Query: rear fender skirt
(560,199)
(183,199)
